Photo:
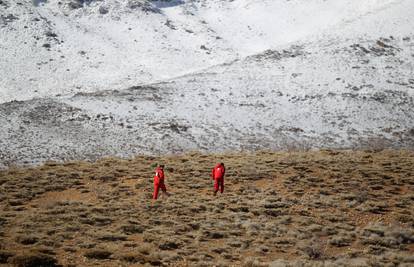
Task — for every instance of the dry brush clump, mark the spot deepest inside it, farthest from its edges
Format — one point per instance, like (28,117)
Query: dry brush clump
(315,208)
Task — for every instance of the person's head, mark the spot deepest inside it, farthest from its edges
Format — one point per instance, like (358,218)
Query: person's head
(222,164)
(161,166)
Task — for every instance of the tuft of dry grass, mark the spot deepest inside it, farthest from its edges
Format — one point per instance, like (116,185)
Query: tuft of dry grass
(5,255)
(33,260)
(98,254)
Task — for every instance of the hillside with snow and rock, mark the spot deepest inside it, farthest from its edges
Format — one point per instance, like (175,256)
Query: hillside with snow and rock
(84,79)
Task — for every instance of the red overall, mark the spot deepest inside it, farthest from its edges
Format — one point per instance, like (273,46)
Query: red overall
(218,176)
(159,182)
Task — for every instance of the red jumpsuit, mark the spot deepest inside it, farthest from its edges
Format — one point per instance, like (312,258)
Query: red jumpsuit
(218,176)
(159,182)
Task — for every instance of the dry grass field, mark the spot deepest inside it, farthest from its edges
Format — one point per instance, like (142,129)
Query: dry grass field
(317,208)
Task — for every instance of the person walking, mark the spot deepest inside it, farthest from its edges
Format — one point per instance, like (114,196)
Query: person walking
(159,182)
(217,174)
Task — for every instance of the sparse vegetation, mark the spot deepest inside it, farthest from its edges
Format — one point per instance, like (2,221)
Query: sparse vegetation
(340,207)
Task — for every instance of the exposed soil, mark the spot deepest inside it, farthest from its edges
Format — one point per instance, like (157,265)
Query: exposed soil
(337,207)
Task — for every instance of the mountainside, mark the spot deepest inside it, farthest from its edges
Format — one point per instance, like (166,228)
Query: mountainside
(309,104)
(64,47)
(84,79)
(324,208)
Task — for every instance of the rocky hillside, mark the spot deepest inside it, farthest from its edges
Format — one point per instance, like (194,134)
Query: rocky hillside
(81,81)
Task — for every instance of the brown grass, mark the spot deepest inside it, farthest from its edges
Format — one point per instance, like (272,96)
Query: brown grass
(338,207)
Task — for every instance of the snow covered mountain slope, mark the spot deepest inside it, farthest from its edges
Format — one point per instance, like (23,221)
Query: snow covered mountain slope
(55,47)
(342,80)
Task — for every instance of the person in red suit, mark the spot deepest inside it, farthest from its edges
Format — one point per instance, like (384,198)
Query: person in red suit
(159,182)
(217,174)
